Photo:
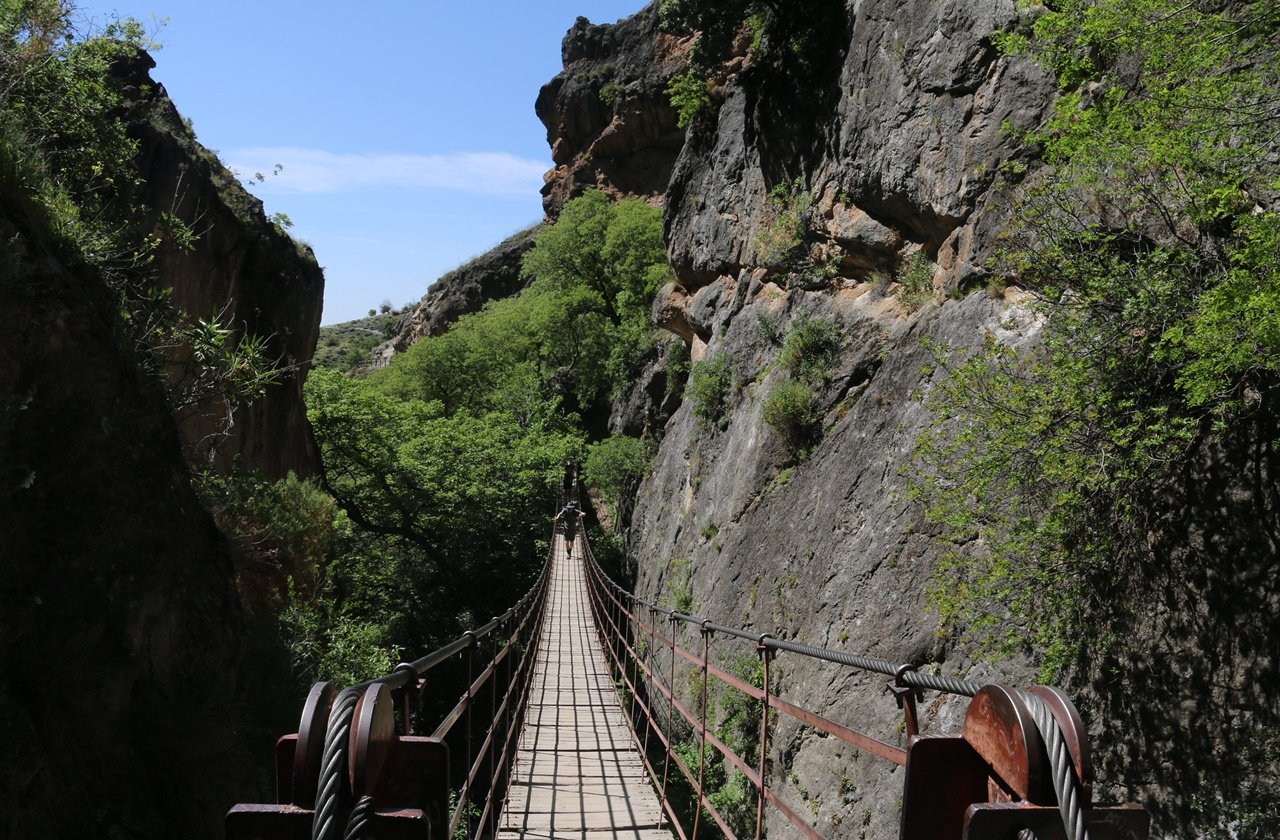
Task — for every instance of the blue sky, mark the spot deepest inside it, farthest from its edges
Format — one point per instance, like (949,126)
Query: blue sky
(405,130)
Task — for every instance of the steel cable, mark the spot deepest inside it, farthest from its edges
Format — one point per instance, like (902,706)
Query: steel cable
(1064,777)
(912,678)
(360,820)
(324,824)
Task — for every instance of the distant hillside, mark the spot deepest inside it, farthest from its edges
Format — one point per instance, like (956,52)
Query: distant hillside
(346,347)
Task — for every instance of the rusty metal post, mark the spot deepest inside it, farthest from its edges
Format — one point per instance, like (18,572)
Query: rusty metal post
(906,697)
(702,719)
(408,697)
(471,660)
(492,736)
(632,659)
(653,619)
(765,655)
(671,684)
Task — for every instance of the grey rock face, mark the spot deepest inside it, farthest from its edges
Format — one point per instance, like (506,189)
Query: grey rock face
(828,551)
(241,271)
(609,122)
(885,142)
(884,147)
(897,137)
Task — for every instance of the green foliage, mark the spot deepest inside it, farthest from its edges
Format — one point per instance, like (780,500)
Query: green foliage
(783,234)
(281,530)
(1247,811)
(1151,254)
(458,501)
(524,355)
(678,585)
(915,282)
(612,92)
(791,410)
(614,250)
(61,133)
(734,718)
(293,548)
(330,643)
(709,386)
(281,221)
(615,465)
(810,348)
(689,95)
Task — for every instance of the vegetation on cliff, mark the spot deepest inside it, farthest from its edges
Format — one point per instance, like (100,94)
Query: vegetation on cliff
(69,170)
(1150,246)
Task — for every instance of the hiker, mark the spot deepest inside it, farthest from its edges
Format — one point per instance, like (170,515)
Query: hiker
(570,515)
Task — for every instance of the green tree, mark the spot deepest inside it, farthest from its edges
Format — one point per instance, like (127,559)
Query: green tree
(615,465)
(518,354)
(464,495)
(614,250)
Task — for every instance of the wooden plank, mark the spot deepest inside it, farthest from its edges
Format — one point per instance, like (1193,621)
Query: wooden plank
(577,773)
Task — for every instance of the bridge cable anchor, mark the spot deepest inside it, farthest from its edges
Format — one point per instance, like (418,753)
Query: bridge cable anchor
(905,695)
(410,696)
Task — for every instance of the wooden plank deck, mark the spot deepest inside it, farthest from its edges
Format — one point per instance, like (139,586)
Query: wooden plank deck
(577,773)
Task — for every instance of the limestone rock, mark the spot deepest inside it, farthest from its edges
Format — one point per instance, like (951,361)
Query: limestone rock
(609,121)
(241,270)
(493,275)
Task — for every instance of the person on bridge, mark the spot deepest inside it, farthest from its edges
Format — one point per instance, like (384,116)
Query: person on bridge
(570,516)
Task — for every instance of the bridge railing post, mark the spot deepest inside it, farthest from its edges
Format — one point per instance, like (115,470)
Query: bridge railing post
(765,656)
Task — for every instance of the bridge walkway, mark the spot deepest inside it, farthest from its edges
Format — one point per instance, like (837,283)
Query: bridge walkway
(577,774)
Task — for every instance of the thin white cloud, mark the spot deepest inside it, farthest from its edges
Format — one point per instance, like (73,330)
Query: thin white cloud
(318,171)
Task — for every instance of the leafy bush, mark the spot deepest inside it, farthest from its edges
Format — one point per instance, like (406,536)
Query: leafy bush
(788,205)
(810,347)
(689,96)
(710,382)
(790,410)
(915,282)
(611,92)
(679,585)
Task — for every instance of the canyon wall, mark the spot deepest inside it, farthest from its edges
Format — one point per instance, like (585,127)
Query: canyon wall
(861,170)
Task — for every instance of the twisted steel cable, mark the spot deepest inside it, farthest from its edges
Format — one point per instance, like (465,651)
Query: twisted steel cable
(1064,777)
(324,824)
(360,820)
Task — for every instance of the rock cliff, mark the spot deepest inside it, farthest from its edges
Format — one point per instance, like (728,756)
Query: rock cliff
(123,634)
(240,270)
(609,121)
(123,662)
(859,177)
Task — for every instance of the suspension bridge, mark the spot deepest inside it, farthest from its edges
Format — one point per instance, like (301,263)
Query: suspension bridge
(571,727)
